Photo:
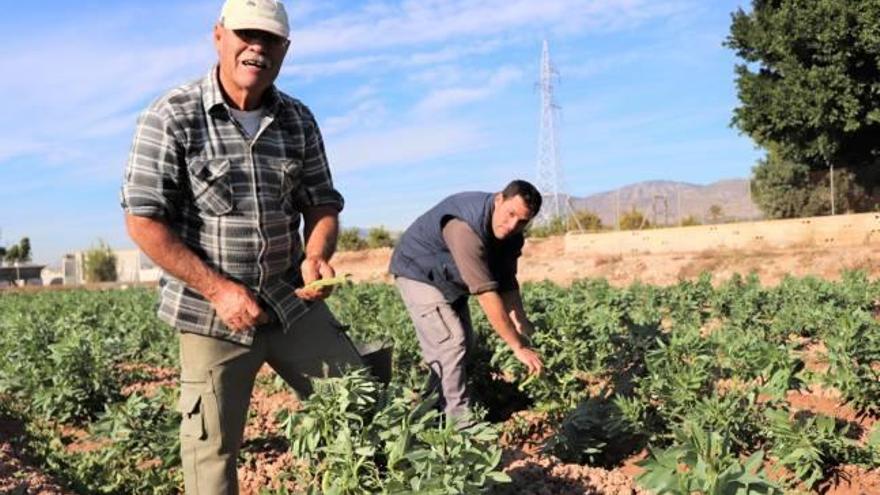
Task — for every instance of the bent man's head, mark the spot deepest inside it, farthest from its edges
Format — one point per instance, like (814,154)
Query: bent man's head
(251,38)
(515,206)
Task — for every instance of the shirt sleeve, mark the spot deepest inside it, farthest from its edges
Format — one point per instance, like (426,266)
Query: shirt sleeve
(151,186)
(317,186)
(469,254)
(506,268)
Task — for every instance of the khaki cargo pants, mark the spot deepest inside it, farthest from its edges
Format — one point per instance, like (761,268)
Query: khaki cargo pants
(446,339)
(217,378)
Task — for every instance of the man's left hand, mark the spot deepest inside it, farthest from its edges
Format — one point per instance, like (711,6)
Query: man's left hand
(315,268)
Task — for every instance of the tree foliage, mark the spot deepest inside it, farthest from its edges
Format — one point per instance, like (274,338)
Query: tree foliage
(812,82)
(587,220)
(810,91)
(99,264)
(580,220)
(378,237)
(20,252)
(690,221)
(716,213)
(633,220)
(785,189)
(350,240)
(11,255)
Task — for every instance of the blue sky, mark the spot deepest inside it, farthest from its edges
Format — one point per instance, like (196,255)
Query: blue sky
(417,99)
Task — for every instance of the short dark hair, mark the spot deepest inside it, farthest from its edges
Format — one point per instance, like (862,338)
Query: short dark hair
(528,192)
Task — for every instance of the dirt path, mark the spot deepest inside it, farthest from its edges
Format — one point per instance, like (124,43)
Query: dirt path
(545,259)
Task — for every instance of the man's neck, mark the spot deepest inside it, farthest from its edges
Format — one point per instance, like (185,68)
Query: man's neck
(240,99)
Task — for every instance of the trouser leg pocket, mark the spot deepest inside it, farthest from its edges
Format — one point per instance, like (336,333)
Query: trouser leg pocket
(192,409)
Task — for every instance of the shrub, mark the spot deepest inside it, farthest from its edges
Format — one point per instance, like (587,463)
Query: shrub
(99,264)
(350,240)
(379,237)
(634,220)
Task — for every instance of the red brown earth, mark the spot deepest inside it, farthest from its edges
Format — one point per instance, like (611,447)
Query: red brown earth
(546,259)
(532,473)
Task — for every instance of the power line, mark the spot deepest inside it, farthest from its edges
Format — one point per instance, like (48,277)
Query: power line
(550,180)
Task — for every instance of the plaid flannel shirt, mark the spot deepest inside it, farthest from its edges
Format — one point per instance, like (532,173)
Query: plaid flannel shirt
(236,202)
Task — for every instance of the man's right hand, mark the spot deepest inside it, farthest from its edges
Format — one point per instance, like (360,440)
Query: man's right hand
(236,305)
(530,359)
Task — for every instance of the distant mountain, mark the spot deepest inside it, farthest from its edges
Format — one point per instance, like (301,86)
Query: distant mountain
(659,201)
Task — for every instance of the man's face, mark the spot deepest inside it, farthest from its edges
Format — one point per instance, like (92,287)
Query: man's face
(249,59)
(510,217)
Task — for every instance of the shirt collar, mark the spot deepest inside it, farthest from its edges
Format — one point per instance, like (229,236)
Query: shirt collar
(212,96)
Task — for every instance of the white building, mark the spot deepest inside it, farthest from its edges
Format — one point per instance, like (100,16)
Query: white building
(18,274)
(131,266)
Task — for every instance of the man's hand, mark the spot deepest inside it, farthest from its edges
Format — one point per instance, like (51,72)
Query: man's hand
(315,268)
(530,359)
(236,306)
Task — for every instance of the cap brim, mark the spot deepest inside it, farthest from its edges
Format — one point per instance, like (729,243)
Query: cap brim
(275,28)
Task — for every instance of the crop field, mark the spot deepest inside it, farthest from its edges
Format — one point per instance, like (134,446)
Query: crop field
(698,387)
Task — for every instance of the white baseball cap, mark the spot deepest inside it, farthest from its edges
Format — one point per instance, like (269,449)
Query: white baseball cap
(264,15)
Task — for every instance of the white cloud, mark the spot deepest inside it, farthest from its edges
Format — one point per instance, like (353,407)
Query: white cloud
(18,145)
(363,92)
(79,89)
(440,75)
(366,114)
(385,62)
(601,64)
(410,144)
(446,98)
(413,22)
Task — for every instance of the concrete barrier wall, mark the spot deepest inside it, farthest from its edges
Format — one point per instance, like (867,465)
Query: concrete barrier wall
(841,230)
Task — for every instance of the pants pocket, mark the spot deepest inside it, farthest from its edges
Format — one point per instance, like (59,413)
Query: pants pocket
(191,406)
(434,326)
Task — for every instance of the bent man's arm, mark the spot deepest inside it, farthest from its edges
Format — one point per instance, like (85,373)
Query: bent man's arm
(234,303)
(513,304)
(496,312)
(320,229)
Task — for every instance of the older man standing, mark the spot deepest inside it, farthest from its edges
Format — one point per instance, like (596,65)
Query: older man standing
(220,173)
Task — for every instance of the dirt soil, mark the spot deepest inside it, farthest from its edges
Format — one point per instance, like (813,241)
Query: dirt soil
(19,474)
(546,259)
(264,450)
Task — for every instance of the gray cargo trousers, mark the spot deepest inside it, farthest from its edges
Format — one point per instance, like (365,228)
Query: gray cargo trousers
(217,378)
(446,338)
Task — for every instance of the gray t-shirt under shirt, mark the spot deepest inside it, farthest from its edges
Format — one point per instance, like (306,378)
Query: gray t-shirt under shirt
(472,259)
(249,120)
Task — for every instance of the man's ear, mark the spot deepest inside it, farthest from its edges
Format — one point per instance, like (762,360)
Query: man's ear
(218,34)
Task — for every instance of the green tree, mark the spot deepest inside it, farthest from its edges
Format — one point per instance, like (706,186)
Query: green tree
(20,252)
(716,213)
(350,240)
(587,220)
(99,264)
(689,221)
(584,220)
(379,237)
(785,189)
(554,226)
(810,87)
(13,254)
(633,220)
(24,247)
